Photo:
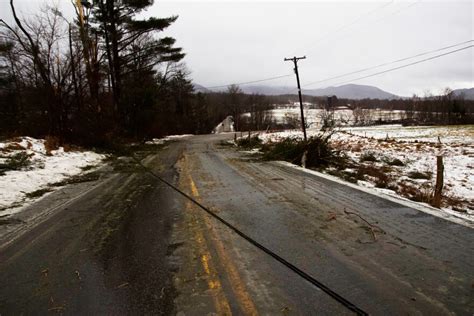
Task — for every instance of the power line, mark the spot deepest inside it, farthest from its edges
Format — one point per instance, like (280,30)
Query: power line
(385,64)
(345,26)
(249,82)
(362,70)
(407,65)
(338,30)
(372,22)
(316,283)
(396,12)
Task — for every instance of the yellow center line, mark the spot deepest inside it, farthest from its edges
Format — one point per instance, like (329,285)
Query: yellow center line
(238,287)
(220,301)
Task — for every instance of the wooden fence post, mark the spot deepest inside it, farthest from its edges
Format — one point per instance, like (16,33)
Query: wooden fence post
(439,181)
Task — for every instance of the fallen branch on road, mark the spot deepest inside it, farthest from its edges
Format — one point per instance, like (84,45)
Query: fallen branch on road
(370,226)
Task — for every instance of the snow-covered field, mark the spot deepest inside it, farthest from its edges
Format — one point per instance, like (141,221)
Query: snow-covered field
(341,116)
(416,149)
(40,169)
(459,134)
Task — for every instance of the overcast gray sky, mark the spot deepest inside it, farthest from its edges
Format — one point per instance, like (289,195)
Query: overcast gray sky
(239,41)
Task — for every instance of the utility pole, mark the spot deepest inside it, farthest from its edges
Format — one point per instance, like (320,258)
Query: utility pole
(295,61)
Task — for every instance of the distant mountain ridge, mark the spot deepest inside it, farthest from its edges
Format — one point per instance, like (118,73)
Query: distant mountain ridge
(352,91)
(199,88)
(467,93)
(349,91)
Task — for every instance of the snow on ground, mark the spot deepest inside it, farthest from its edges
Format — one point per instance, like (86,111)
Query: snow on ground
(161,141)
(457,134)
(341,116)
(416,148)
(172,137)
(42,169)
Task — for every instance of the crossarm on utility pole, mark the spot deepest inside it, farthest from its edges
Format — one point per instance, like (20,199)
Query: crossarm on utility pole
(295,61)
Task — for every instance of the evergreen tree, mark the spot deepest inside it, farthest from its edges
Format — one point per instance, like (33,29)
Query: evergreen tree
(130,45)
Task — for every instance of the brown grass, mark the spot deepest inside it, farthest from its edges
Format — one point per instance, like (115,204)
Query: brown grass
(13,146)
(417,194)
(380,174)
(51,143)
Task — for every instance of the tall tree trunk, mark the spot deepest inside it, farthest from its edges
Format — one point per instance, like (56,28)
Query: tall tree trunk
(111,15)
(78,98)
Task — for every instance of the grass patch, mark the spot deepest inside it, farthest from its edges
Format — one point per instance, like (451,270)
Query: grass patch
(121,156)
(380,176)
(129,150)
(394,162)
(37,193)
(369,156)
(417,194)
(88,177)
(17,161)
(420,175)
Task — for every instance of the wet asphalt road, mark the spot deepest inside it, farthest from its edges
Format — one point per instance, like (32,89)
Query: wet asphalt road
(127,244)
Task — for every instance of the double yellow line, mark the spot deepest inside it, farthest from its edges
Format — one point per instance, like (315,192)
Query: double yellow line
(231,273)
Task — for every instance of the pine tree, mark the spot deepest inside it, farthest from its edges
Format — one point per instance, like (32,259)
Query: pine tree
(130,45)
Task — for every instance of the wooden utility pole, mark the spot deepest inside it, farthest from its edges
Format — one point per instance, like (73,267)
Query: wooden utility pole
(439,182)
(295,61)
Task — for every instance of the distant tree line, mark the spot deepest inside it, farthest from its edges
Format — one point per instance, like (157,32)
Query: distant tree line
(446,108)
(443,109)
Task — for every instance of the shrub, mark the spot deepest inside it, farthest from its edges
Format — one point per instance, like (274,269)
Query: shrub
(16,162)
(419,175)
(37,193)
(417,194)
(381,177)
(249,142)
(394,162)
(319,151)
(368,156)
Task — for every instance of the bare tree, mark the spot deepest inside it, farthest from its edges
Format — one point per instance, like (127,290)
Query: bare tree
(40,48)
(235,101)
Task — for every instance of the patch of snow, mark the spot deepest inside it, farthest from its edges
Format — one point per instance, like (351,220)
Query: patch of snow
(251,151)
(161,141)
(43,170)
(463,134)
(342,116)
(155,141)
(171,137)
